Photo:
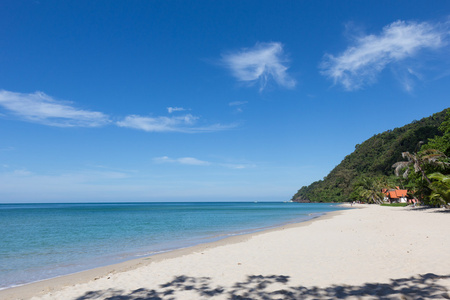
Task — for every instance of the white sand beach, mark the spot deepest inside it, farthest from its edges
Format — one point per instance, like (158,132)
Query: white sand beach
(372,252)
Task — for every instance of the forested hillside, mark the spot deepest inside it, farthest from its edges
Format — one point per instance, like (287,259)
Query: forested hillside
(371,159)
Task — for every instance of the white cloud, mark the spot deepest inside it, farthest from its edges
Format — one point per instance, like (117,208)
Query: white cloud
(169,124)
(172,109)
(260,63)
(359,64)
(157,124)
(43,109)
(182,160)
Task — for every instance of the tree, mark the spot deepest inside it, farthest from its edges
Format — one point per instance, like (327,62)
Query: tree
(440,188)
(419,160)
(441,143)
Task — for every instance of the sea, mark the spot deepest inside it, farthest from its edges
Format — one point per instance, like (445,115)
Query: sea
(42,241)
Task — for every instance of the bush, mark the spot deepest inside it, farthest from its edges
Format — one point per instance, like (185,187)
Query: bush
(395,204)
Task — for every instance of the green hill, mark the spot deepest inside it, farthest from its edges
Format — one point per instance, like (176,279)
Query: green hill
(374,157)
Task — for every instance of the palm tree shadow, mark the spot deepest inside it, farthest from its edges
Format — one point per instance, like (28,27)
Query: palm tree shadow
(261,287)
(447,211)
(424,208)
(430,209)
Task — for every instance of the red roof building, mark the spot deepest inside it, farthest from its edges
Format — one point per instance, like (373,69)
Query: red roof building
(396,195)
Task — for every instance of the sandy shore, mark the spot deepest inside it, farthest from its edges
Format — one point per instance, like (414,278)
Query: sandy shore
(374,252)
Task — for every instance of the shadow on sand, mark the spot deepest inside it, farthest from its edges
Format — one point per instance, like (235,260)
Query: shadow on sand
(431,209)
(262,288)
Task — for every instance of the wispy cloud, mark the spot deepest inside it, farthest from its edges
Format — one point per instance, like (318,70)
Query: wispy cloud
(238,166)
(184,123)
(43,109)
(76,185)
(21,172)
(157,124)
(360,64)
(198,162)
(238,106)
(407,78)
(172,109)
(182,160)
(261,63)
(7,148)
(237,103)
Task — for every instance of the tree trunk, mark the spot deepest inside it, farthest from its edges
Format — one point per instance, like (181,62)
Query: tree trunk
(425,176)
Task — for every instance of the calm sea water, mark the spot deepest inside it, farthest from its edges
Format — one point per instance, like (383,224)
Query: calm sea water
(40,241)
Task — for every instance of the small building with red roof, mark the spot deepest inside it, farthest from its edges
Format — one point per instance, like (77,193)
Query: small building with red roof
(396,195)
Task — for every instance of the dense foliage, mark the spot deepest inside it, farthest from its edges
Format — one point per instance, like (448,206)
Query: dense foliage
(362,174)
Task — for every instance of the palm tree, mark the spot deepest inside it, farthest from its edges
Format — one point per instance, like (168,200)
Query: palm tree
(440,188)
(418,160)
(370,190)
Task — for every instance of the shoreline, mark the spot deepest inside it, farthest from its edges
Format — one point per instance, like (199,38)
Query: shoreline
(36,288)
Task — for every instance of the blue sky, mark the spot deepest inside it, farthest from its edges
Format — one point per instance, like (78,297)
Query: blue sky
(206,100)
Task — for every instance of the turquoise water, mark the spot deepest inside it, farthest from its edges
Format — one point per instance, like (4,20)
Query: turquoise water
(40,241)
